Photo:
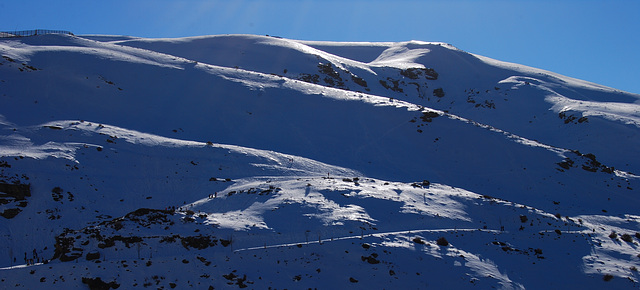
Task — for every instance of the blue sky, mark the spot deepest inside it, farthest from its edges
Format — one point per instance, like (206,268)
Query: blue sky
(598,41)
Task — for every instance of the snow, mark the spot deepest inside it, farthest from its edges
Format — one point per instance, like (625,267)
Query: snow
(621,112)
(242,160)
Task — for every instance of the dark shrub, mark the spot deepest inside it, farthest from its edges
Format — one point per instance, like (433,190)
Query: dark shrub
(370,259)
(93,256)
(415,73)
(70,257)
(430,73)
(56,193)
(225,242)
(418,240)
(523,218)
(309,78)
(359,81)
(198,242)
(10,213)
(442,242)
(412,73)
(327,68)
(428,116)
(566,164)
(98,284)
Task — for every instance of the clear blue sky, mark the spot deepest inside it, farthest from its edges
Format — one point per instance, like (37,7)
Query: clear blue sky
(598,41)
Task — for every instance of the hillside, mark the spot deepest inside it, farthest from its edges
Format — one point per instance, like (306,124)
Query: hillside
(255,161)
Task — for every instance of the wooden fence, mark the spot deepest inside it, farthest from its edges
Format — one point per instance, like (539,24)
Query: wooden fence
(23,33)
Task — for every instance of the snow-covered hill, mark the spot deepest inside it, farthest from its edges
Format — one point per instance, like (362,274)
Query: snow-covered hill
(255,161)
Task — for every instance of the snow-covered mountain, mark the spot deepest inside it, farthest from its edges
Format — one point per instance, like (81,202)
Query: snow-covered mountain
(261,162)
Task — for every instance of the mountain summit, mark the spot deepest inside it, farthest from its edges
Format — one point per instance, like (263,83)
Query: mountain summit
(263,162)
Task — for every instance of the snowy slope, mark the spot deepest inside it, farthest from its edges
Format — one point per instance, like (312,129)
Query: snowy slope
(243,160)
(485,90)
